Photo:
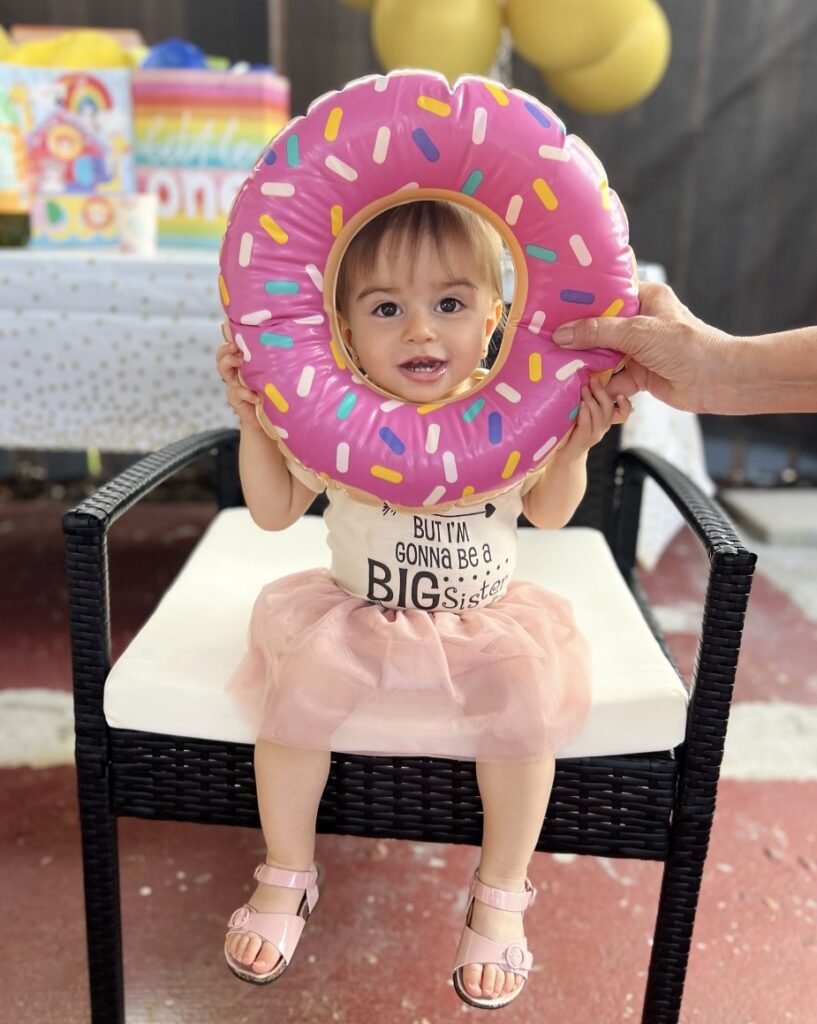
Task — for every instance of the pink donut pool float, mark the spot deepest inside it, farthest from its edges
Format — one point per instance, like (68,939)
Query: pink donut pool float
(384,140)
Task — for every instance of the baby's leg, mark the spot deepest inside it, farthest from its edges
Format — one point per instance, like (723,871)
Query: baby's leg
(290,781)
(514,800)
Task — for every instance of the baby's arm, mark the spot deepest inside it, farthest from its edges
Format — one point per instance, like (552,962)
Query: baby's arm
(555,497)
(273,496)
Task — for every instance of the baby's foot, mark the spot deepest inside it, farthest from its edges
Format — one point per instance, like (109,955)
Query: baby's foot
(248,949)
(487,981)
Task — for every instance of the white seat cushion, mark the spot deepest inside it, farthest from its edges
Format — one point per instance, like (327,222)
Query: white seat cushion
(172,677)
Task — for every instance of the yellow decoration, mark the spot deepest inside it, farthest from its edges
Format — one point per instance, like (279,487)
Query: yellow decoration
(626,75)
(6,45)
(83,49)
(454,37)
(558,34)
(359,5)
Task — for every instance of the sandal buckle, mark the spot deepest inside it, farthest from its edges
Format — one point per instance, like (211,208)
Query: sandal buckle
(515,955)
(240,917)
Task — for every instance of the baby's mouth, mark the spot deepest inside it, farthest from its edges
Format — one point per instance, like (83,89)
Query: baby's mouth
(423,366)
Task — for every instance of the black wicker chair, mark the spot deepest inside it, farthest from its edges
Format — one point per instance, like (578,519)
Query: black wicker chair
(653,806)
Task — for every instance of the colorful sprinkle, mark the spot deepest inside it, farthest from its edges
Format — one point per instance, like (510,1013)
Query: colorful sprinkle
(392,440)
(316,318)
(572,295)
(381,83)
(390,475)
(538,114)
(450,467)
(467,491)
(511,464)
(425,145)
(507,392)
(472,182)
(282,287)
(614,308)
(270,156)
(535,367)
(258,316)
(245,249)
(545,193)
(276,340)
(342,457)
(330,131)
(537,321)
(606,202)
(473,410)
(381,144)
(498,94)
(435,495)
(542,452)
(574,412)
(432,438)
(336,219)
(540,252)
(315,276)
(242,345)
(391,405)
(569,369)
(480,126)
(514,207)
(580,250)
(347,404)
(275,231)
(555,153)
(277,188)
(337,355)
(277,399)
(495,428)
(434,106)
(222,287)
(293,151)
(305,381)
(423,409)
(340,168)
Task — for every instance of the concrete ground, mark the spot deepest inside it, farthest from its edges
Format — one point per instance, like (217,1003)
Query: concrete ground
(380,943)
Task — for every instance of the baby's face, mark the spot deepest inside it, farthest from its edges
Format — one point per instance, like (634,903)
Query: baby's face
(420,332)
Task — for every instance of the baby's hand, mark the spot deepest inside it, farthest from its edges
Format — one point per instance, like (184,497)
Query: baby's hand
(597,413)
(229,360)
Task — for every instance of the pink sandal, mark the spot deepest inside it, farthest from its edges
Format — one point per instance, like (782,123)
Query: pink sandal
(282,930)
(474,948)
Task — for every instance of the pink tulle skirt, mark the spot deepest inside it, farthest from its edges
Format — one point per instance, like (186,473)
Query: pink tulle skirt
(506,682)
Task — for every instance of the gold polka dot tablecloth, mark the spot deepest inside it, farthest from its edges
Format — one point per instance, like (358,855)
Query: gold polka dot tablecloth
(108,351)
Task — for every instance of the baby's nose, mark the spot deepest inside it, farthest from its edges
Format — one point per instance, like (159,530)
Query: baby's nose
(418,327)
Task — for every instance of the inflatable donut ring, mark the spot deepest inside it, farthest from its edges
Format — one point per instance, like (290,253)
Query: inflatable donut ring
(385,140)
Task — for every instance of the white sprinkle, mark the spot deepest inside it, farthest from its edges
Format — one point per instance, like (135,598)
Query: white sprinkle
(409,184)
(480,124)
(342,457)
(258,316)
(281,432)
(245,249)
(554,153)
(315,276)
(305,381)
(316,319)
(512,213)
(391,405)
(569,369)
(450,467)
(277,188)
(435,495)
(340,168)
(536,321)
(580,250)
(542,452)
(243,347)
(511,394)
(381,144)
(381,83)
(432,438)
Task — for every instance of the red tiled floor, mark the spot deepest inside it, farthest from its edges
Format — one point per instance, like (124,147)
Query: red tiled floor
(379,946)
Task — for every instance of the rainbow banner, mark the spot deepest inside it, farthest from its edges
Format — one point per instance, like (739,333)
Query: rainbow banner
(197,136)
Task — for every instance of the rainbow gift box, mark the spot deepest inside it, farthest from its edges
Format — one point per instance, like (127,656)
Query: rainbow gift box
(197,136)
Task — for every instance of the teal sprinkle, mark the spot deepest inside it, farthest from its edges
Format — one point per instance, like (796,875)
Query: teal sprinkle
(282,287)
(293,153)
(539,252)
(574,412)
(472,182)
(473,410)
(346,405)
(276,340)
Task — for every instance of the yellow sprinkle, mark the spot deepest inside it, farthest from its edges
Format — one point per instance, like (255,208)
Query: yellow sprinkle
(330,132)
(605,195)
(614,308)
(434,106)
(337,355)
(466,491)
(336,213)
(497,93)
(273,229)
(511,464)
(275,396)
(545,193)
(423,409)
(391,475)
(222,287)
(535,366)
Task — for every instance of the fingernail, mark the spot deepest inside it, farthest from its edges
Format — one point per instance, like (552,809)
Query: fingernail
(563,335)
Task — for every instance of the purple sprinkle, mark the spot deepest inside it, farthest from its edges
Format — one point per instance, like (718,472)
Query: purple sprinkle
(425,145)
(539,114)
(392,440)
(270,156)
(571,295)
(495,428)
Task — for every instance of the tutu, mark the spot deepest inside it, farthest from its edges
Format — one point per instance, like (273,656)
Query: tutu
(506,682)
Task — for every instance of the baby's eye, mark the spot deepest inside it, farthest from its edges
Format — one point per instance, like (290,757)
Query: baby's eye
(386,309)
(449,305)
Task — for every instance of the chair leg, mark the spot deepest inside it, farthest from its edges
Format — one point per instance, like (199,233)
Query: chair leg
(100,861)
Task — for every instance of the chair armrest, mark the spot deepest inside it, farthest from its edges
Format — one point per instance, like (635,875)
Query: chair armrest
(86,554)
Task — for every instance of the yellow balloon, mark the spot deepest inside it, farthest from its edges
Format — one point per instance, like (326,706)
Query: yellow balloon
(623,77)
(359,5)
(558,34)
(454,37)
